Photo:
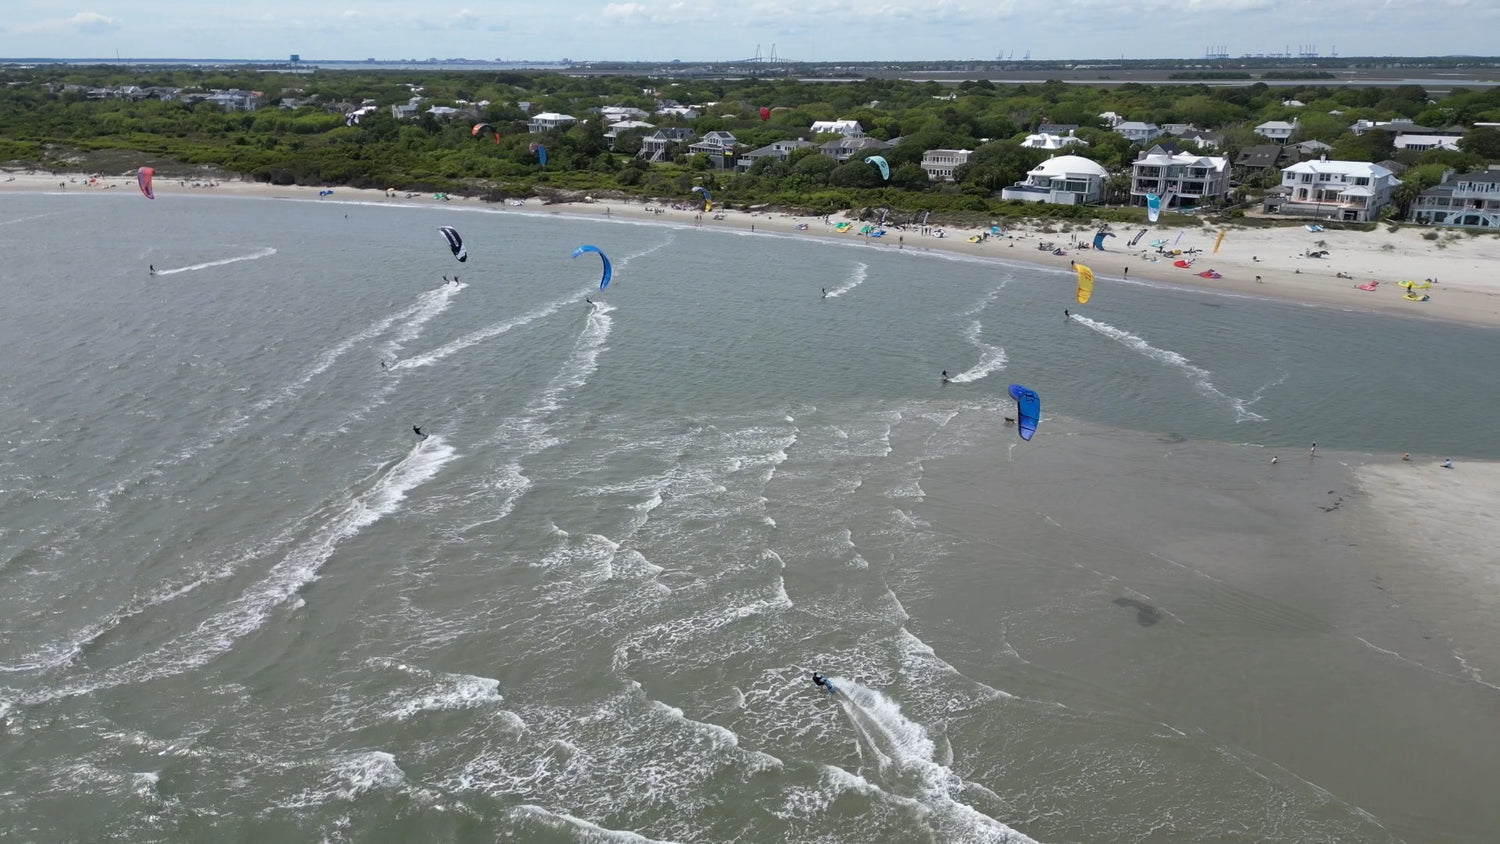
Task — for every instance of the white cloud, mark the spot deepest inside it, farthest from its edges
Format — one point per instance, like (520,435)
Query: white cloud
(93,23)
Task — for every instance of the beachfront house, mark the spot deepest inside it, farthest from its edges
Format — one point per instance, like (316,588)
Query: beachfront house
(1047,140)
(1061,180)
(940,163)
(779,150)
(549,120)
(1351,191)
(1279,131)
(718,146)
(658,145)
(1470,199)
(1193,179)
(618,114)
(1139,133)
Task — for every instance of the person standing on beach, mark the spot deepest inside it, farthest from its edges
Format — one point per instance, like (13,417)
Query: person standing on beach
(1127,272)
(1313,452)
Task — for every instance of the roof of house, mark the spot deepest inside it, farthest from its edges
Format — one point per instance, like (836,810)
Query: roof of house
(1264,155)
(1069,165)
(1332,168)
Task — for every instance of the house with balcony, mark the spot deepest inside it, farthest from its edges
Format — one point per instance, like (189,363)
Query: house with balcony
(1203,140)
(1061,180)
(718,146)
(549,120)
(1425,139)
(1350,191)
(940,163)
(779,150)
(1470,199)
(235,100)
(658,145)
(1137,132)
(1278,131)
(1192,179)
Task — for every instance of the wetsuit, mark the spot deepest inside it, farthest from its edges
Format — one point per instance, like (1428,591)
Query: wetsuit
(418,432)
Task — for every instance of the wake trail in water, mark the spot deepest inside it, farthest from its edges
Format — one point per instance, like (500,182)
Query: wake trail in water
(247,613)
(984,302)
(264,253)
(29,218)
(855,279)
(531,427)
(991,358)
(1201,378)
(488,332)
(904,758)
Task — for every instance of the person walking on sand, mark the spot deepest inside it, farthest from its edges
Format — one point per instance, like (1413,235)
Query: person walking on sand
(1313,452)
(1127,272)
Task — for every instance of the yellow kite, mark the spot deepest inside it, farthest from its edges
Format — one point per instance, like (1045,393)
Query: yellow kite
(1085,283)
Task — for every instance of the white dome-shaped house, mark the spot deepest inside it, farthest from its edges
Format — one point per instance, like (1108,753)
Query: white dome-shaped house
(1062,180)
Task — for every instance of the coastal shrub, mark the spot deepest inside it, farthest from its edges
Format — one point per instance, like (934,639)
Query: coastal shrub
(1429,235)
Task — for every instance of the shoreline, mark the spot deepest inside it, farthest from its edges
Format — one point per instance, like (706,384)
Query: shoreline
(1270,263)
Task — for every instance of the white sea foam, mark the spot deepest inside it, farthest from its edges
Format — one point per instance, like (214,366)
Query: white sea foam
(351,775)
(585,832)
(903,754)
(1200,377)
(855,279)
(442,692)
(991,358)
(262,253)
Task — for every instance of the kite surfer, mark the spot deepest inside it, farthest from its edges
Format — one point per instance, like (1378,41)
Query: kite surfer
(589,301)
(825,293)
(153,268)
(382,364)
(822,682)
(416,429)
(945,376)
(1066,315)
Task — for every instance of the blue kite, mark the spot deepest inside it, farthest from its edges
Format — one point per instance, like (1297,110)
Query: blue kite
(1028,410)
(608,271)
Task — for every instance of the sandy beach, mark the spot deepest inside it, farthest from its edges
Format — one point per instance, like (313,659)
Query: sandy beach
(1265,262)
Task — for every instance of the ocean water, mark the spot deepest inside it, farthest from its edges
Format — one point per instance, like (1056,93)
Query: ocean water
(240,600)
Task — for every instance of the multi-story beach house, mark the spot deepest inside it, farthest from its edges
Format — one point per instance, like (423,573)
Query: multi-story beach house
(1061,180)
(1191,178)
(940,163)
(779,150)
(549,120)
(1279,131)
(612,133)
(657,146)
(1470,199)
(718,146)
(1351,191)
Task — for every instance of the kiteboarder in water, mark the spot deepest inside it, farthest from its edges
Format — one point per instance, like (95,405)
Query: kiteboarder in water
(822,682)
(153,268)
(418,432)
(945,376)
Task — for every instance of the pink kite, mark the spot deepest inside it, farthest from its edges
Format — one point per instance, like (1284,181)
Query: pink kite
(1367,286)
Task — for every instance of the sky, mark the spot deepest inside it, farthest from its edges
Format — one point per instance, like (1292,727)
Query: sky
(693,30)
